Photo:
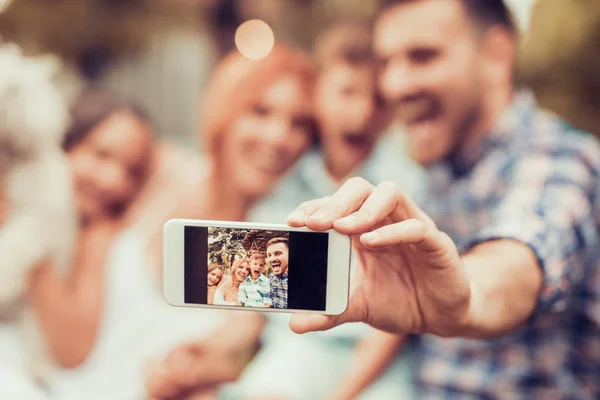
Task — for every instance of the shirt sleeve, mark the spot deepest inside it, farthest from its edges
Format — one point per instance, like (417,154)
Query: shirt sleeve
(242,294)
(547,206)
(267,297)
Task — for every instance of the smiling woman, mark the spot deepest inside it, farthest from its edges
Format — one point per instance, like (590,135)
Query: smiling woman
(256,122)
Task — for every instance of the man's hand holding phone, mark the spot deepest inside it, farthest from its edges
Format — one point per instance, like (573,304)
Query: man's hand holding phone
(409,278)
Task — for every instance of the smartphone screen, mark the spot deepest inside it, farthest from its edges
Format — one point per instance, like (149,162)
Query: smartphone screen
(259,268)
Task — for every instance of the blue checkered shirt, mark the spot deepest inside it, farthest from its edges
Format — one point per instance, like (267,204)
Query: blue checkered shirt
(279,290)
(255,293)
(534,179)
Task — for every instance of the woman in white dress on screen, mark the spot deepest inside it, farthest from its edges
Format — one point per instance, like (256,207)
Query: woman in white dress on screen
(227,294)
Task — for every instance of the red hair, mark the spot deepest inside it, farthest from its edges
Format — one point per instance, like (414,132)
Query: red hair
(238,82)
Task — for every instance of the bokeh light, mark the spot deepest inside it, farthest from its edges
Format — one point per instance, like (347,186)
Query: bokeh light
(254,39)
(4,5)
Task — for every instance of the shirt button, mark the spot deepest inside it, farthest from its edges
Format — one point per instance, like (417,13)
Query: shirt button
(560,306)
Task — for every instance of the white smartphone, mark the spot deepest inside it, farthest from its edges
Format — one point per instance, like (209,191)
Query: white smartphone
(257,267)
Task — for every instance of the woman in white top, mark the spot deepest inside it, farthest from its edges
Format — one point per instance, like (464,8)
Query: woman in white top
(227,294)
(111,317)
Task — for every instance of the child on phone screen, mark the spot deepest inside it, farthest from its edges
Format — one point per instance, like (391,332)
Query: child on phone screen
(214,278)
(255,290)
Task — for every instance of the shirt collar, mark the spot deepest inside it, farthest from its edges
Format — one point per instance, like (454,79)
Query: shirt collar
(281,277)
(509,127)
(313,171)
(249,278)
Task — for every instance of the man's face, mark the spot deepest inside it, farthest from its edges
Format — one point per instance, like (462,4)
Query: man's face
(277,254)
(431,73)
(257,266)
(349,113)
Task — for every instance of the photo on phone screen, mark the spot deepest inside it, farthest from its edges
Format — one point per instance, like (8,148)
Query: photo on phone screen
(255,268)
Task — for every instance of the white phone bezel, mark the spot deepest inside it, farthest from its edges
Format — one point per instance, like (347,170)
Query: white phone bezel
(338,265)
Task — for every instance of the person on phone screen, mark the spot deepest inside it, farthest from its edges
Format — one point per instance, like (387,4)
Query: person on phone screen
(278,257)
(498,270)
(214,277)
(255,291)
(228,293)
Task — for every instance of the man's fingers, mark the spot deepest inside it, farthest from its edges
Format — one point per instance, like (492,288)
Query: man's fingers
(412,231)
(380,204)
(345,201)
(298,217)
(386,200)
(304,323)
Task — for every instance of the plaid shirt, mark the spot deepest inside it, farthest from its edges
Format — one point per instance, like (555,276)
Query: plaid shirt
(279,290)
(536,180)
(255,293)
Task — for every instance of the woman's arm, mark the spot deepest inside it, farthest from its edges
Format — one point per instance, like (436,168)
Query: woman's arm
(69,311)
(371,358)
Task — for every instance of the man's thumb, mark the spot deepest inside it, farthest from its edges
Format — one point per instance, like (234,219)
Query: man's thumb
(303,323)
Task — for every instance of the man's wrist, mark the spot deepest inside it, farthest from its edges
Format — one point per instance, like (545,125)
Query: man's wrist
(470,325)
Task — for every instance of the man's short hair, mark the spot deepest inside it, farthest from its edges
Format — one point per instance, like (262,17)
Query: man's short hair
(349,41)
(279,240)
(485,13)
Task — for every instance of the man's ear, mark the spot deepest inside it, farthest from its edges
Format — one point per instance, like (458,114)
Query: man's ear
(499,48)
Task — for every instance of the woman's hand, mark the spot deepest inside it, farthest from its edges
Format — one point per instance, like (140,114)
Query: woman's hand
(200,367)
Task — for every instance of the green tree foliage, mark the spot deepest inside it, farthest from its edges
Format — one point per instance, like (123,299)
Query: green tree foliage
(257,239)
(224,244)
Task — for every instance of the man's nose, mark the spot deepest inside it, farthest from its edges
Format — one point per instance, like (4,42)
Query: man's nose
(397,81)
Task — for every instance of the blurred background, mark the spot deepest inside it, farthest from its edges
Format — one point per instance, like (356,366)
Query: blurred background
(161,53)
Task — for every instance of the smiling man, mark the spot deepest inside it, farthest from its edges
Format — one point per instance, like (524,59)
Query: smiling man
(498,271)
(278,257)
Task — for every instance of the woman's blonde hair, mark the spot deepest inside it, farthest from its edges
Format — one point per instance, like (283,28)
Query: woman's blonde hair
(238,82)
(239,263)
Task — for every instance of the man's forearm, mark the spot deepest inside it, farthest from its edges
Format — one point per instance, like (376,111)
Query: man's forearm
(506,280)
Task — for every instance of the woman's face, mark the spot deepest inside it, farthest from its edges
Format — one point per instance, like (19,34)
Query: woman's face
(242,272)
(214,276)
(109,164)
(268,138)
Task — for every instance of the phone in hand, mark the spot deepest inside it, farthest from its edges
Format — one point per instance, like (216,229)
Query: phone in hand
(255,267)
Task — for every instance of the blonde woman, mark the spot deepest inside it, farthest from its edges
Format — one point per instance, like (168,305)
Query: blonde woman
(227,294)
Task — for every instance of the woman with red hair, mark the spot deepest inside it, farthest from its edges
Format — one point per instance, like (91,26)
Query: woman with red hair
(256,122)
